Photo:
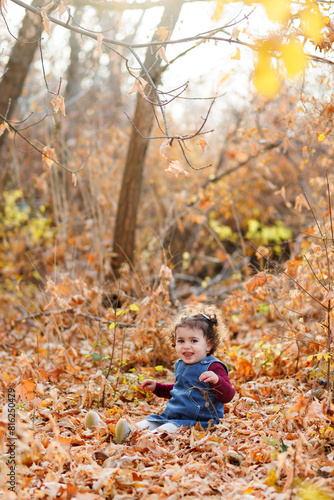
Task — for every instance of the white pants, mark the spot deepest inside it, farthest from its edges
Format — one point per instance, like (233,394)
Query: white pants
(156,426)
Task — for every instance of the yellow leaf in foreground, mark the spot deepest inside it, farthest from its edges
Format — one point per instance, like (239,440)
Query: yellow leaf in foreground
(5,378)
(321,137)
(236,55)
(294,58)
(312,23)
(218,10)
(277,10)
(266,79)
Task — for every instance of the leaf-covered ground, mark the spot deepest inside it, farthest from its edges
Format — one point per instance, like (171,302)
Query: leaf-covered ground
(275,442)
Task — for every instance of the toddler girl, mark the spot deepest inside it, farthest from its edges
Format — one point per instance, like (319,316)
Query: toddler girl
(201,383)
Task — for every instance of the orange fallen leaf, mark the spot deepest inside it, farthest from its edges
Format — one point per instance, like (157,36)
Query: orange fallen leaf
(25,390)
(258,280)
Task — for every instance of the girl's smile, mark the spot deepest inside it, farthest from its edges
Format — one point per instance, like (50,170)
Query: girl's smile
(191,345)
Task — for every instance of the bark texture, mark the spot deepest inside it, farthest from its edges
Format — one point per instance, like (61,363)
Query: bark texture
(124,234)
(21,57)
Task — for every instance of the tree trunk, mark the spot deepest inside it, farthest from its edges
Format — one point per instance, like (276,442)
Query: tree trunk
(19,63)
(124,234)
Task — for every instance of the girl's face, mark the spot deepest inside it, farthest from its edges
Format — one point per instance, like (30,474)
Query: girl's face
(191,345)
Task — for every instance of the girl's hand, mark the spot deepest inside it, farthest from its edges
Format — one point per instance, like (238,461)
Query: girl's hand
(209,377)
(148,385)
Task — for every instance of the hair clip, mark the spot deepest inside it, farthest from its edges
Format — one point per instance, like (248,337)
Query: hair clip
(206,317)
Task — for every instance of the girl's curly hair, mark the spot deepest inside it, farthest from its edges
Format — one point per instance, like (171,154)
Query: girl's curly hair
(207,318)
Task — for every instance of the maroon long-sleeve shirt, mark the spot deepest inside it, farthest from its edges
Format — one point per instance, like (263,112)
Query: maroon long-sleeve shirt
(223,389)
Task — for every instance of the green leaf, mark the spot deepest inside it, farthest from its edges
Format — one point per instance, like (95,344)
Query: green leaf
(96,357)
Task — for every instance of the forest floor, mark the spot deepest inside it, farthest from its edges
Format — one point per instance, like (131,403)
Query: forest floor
(276,440)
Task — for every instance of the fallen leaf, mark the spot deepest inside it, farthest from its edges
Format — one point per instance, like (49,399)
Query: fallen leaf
(258,280)
(25,390)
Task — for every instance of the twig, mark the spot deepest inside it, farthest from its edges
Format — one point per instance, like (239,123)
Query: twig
(77,313)
(42,153)
(279,269)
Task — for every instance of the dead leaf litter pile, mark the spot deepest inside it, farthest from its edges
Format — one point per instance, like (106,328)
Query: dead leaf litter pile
(276,441)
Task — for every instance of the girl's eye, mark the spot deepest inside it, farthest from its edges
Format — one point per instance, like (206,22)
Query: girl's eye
(179,341)
(194,341)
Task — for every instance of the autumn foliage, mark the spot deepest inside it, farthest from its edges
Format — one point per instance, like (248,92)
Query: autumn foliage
(245,221)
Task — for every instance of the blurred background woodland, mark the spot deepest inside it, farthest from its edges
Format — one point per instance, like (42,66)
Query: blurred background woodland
(137,165)
(143,167)
(156,153)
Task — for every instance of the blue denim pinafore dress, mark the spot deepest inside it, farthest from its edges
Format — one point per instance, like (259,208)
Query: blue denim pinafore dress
(192,401)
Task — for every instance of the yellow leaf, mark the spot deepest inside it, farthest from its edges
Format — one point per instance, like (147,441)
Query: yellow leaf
(5,378)
(277,10)
(121,312)
(4,126)
(272,478)
(312,22)
(133,307)
(294,58)
(223,79)
(309,358)
(321,137)
(324,355)
(112,325)
(266,79)
(236,55)
(218,10)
